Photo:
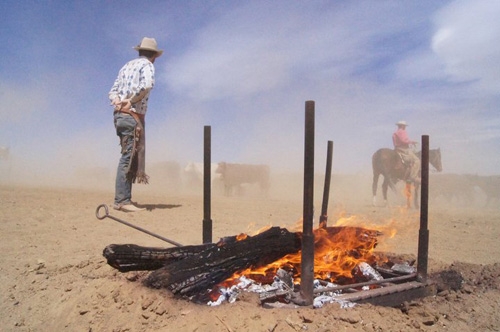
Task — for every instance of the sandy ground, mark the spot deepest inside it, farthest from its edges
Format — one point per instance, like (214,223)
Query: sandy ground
(53,276)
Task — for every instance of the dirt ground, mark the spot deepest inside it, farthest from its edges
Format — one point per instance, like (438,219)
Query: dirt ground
(53,276)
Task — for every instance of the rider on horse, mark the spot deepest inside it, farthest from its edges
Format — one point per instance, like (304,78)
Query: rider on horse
(402,145)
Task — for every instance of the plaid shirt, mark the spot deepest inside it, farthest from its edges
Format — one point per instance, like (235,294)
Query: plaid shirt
(135,80)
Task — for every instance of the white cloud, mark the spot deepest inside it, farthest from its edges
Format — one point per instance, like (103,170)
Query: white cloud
(253,49)
(466,41)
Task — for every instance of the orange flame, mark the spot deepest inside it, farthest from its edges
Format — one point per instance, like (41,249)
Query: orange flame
(337,251)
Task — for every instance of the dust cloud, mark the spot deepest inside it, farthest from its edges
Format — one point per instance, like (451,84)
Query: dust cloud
(89,160)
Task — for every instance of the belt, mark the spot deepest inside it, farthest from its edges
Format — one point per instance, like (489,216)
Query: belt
(138,117)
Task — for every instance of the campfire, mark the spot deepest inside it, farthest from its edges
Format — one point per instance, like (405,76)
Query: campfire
(268,263)
(308,267)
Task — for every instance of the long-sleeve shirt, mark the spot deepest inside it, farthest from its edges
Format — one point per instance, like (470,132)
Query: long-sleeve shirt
(135,81)
(400,139)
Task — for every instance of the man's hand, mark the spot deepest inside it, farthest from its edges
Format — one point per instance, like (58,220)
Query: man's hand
(121,105)
(116,103)
(126,105)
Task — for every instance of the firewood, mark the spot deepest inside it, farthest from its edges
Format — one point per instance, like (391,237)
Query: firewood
(131,257)
(193,269)
(201,272)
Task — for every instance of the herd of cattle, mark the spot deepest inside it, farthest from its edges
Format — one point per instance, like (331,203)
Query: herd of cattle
(231,178)
(465,189)
(234,179)
(453,189)
(4,153)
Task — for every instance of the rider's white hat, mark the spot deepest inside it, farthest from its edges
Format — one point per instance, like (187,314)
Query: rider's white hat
(401,123)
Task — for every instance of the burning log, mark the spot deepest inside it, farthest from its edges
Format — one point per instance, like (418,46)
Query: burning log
(201,272)
(131,257)
(189,270)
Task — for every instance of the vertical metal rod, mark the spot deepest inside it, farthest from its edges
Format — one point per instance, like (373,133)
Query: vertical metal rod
(207,175)
(323,219)
(307,263)
(423,234)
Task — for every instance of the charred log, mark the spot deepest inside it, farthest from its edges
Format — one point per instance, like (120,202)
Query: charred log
(131,257)
(214,265)
(193,269)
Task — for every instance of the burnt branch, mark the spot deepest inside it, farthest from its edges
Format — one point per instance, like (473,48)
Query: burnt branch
(214,265)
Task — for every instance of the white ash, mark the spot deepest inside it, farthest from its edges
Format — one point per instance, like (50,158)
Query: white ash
(368,271)
(404,268)
(283,286)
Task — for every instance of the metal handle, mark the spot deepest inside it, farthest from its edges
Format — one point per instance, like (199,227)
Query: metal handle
(107,215)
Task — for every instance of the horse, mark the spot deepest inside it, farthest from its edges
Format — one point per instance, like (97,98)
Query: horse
(388,163)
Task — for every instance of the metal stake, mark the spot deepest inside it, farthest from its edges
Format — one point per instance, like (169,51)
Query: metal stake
(207,183)
(323,219)
(307,270)
(423,234)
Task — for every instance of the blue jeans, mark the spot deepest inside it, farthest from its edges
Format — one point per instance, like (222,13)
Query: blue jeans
(125,126)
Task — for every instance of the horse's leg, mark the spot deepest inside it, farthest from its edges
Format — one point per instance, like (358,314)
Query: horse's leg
(408,194)
(385,186)
(417,186)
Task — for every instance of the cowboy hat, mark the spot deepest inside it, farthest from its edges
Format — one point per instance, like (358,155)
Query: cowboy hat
(401,123)
(148,44)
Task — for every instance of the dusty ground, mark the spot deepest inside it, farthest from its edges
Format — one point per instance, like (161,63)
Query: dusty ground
(53,276)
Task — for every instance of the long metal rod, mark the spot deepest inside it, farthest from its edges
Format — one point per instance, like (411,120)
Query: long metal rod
(367,283)
(307,263)
(423,234)
(207,184)
(323,219)
(107,215)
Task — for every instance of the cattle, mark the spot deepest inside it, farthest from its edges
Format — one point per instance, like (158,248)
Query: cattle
(4,153)
(165,175)
(453,189)
(193,175)
(233,176)
(490,186)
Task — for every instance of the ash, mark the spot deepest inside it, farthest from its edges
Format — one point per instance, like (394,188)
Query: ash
(281,291)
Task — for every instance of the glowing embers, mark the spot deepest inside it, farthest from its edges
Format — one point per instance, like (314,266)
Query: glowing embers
(281,290)
(345,262)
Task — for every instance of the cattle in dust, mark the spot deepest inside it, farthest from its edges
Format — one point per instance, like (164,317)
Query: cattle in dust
(490,187)
(4,153)
(453,189)
(193,174)
(6,162)
(165,176)
(233,176)
(464,190)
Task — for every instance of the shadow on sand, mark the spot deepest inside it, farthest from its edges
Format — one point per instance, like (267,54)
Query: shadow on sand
(151,207)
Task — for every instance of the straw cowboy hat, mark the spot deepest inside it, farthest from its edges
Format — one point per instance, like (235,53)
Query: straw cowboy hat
(401,123)
(148,44)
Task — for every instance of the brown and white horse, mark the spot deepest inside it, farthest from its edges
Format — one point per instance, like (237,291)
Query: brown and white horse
(388,163)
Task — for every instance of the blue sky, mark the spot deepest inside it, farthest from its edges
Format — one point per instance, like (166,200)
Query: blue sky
(246,68)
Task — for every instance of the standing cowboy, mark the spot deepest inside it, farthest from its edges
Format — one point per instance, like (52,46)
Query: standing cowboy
(129,97)
(402,144)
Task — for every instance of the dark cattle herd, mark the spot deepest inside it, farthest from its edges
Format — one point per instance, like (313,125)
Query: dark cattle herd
(465,190)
